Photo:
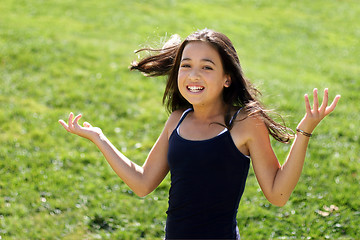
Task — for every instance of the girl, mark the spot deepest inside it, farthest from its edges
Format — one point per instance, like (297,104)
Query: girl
(215,127)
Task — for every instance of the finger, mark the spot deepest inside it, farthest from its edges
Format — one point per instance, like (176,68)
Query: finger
(307,104)
(86,124)
(70,121)
(325,100)
(76,120)
(63,123)
(332,105)
(316,99)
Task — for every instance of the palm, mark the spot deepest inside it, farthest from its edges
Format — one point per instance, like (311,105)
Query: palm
(314,116)
(87,131)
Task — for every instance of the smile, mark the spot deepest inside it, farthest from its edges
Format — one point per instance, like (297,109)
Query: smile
(195,89)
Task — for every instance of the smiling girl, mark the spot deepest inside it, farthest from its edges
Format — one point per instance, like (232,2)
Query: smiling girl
(216,127)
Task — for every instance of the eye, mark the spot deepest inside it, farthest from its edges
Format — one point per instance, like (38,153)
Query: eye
(185,66)
(207,68)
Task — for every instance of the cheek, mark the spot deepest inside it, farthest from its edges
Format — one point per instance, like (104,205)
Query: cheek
(180,82)
(180,74)
(181,77)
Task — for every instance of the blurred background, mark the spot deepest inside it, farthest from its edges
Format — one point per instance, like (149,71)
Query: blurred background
(58,57)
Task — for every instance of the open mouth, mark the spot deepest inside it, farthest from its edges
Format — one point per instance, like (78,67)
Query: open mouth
(195,89)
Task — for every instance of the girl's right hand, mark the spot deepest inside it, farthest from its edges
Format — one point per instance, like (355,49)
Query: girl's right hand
(87,131)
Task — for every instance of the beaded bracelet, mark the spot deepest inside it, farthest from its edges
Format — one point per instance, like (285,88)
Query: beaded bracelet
(304,133)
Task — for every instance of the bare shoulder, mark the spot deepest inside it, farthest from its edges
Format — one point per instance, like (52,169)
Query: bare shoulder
(251,124)
(172,121)
(247,129)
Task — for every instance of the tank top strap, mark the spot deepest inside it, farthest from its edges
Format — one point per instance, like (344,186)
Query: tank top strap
(183,117)
(234,116)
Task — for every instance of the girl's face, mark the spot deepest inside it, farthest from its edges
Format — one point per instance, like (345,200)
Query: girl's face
(201,77)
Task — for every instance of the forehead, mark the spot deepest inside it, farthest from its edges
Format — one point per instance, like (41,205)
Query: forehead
(200,50)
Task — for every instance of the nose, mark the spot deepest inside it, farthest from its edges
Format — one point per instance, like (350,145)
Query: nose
(194,74)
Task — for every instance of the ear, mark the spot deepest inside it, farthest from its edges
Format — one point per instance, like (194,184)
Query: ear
(227,82)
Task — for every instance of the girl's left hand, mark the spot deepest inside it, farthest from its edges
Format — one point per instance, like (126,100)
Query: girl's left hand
(314,116)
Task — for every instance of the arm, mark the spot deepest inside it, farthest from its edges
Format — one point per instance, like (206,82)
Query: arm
(142,180)
(276,181)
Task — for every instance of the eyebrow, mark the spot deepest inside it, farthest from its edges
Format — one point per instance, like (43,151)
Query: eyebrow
(204,59)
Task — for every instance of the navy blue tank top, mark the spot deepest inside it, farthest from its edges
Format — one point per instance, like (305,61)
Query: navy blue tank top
(207,181)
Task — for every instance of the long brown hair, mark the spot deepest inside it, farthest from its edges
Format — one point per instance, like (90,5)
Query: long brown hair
(240,94)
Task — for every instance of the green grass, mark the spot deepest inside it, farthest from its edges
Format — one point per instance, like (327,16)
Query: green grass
(61,56)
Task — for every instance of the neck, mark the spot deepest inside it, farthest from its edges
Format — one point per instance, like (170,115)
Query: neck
(209,113)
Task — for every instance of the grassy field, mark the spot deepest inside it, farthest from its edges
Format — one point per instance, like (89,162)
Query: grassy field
(61,56)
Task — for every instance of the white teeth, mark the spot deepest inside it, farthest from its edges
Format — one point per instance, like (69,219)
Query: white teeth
(195,88)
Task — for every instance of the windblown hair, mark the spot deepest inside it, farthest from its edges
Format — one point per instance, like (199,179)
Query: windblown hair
(240,94)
